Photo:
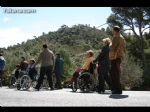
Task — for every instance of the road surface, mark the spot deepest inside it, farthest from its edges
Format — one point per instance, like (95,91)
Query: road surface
(65,97)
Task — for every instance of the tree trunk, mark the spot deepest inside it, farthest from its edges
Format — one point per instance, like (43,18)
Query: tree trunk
(142,48)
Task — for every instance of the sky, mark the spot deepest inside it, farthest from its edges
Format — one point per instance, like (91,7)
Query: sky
(18,27)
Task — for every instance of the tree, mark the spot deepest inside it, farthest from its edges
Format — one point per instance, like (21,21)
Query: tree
(108,31)
(103,29)
(130,18)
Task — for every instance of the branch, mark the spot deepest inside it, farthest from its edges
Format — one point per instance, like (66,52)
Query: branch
(133,29)
(145,29)
(127,29)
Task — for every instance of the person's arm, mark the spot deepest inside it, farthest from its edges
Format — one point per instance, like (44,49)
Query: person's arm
(100,56)
(63,67)
(38,60)
(53,60)
(54,70)
(4,64)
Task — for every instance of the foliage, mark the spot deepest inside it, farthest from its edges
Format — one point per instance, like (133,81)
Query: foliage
(129,18)
(69,41)
(132,73)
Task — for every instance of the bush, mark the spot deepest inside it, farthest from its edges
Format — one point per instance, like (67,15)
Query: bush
(67,63)
(132,73)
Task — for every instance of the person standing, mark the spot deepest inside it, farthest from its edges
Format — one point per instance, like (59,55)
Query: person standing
(46,58)
(2,65)
(59,69)
(103,66)
(116,55)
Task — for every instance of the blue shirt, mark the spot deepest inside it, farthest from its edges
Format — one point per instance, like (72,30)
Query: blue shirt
(2,63)
(59,66)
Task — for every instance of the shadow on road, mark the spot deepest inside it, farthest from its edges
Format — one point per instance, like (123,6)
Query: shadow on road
(118,96)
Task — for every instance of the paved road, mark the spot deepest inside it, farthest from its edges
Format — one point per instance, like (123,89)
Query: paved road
(65,97)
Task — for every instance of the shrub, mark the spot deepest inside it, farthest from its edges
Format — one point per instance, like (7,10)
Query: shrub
(132,73)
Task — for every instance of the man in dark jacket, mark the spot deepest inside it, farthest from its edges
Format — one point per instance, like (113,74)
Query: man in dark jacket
(103,66)
(59,68)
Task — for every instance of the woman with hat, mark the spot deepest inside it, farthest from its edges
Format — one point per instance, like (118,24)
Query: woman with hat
(103,65)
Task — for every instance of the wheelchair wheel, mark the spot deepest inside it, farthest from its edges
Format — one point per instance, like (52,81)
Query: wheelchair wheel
(84,85)
(81,84)
(74,86)
(11,82)
(25,82)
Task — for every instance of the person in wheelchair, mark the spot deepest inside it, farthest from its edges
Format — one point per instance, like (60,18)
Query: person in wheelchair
(32,72)
(17,71)
(87,68)
(23,64)
(76,74)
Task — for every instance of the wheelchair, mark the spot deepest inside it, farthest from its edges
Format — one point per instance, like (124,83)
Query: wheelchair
(12,81)
(85,80)
(24,81)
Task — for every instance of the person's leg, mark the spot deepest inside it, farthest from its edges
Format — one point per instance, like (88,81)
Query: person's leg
(113,75)
(31,74)
(40,80)
(1,73)
(49,76)
(59,81)
(56,85)
(101,80)
(118,73)
(17,74)
(106,76)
